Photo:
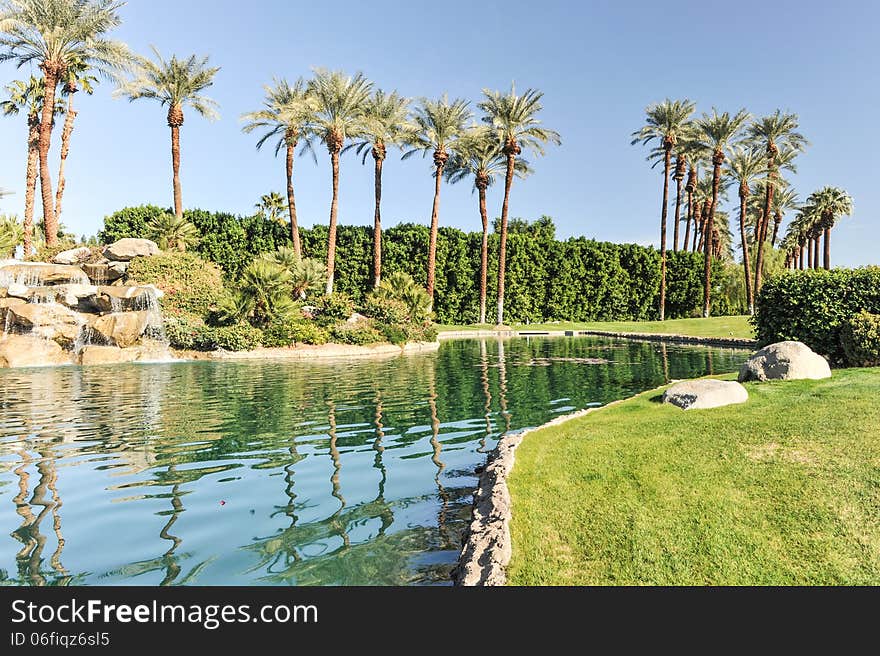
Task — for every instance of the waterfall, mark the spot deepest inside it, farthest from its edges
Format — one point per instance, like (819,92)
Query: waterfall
(149,302)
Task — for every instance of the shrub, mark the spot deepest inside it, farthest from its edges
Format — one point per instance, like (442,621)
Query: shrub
(813,306)
(360,334)
(401,287)
(385,310)
(185,331)
(860,340)
(333,308)
(129,222)
(190,284)
(292,333)
(238,337)
(394,333)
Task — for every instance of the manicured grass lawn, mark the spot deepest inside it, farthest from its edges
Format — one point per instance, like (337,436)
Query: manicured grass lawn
(784,489)
(711,327)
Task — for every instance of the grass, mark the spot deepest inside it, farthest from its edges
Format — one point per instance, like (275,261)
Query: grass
(738,326)
(784,489)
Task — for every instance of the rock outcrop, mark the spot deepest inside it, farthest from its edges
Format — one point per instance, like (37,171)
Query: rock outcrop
(785,361)
(705,393)
(72,256)
(129,248)
(31,351)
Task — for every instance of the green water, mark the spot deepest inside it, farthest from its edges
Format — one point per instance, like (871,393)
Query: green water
(352,472)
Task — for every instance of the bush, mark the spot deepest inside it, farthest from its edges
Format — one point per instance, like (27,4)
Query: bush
(191,285)
(293,333)
(330,309)
(385,310)
(860,340)
(129,222)
(394,333)
(184,331)
(360,334)
(813,306)
(238,337)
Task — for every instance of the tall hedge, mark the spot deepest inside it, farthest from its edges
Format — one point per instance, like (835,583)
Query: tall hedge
(576,279)
(813,306)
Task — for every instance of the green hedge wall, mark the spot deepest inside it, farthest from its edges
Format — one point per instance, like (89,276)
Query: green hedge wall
(813,306)
(577,279)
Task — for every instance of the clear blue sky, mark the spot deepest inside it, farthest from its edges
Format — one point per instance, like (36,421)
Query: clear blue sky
(599,64)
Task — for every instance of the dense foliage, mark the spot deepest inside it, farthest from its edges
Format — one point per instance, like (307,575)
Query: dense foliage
(813,306)
(576,279)
(860,340)
(190,284)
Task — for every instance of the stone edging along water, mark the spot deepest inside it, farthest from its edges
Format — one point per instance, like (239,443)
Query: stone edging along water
(486,548)
(723,342)
(309,352)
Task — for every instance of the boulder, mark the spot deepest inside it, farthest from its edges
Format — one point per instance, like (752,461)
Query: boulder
(356,317)
(32,315)
(11,302)
(121,299)
(72,256)
(105,272)
(93,355)
(129,248)
(18,291)
(34,275)
(122,328)
(30,351)
(705,393)
(785,361)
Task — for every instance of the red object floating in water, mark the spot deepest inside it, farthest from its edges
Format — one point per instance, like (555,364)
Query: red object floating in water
(222,503)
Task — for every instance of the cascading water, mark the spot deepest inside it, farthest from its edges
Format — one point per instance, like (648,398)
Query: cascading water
(149,302)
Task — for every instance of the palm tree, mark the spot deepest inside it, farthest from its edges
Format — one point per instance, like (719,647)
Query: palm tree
(666,122)
(271,207)
(11,235)
(386,123)
(53,34)
(439,124)
(746,164)
(716,133)
(784,200)
(286,116)
(177,83)
(514,119)
(76,78)
(828,204)
(400,286)
(28,96)
(173,233)
(306,275)
(261,296)
(340,101)
(479,155)
(772,132)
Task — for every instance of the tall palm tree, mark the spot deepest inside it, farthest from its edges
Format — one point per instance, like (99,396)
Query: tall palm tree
(28,96)
(76,78)
(271,206)
(746,164)
(439,124)
(772,132)
(177,83)
(340,101)
(715,134)
(784,200)
(514,118)
(478,155)
(53,34)
(386,123)
(287,114)
(666,122)
(828,204)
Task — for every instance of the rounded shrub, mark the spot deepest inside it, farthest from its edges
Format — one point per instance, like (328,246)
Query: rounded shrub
(385,310)
(238,337)
(191,284)
(293,333)
(860,340)
(360,334)
(333,308)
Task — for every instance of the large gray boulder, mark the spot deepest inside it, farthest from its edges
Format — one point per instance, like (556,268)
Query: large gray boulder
(785,361)
(72,256)
(705,393)
(129,248)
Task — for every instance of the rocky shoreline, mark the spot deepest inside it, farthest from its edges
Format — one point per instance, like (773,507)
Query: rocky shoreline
(309,352)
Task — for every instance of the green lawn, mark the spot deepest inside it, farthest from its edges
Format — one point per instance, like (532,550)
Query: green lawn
(712,327)
(784,489)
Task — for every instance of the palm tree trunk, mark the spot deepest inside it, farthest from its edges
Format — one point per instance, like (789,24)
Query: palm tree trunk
(801,258)
(827,253)
(750,299)
(761,232)
(484,253)
(663,213)
(677,214)
(175,169)
(717,161)
(816,241)
(377,223)
(65,151)
(30,189)
(331,236)
(50,81)
(777,221)
(291,200)
(502,246)
(809,253)
(435,220)
(687,230)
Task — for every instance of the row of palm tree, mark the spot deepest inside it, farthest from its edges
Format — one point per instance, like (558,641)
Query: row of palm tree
(347,113)
(737,148)
(812,225)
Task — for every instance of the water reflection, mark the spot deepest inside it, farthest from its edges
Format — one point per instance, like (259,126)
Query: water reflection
(283,473)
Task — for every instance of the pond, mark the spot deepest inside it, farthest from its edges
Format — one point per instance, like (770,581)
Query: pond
(356,472)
